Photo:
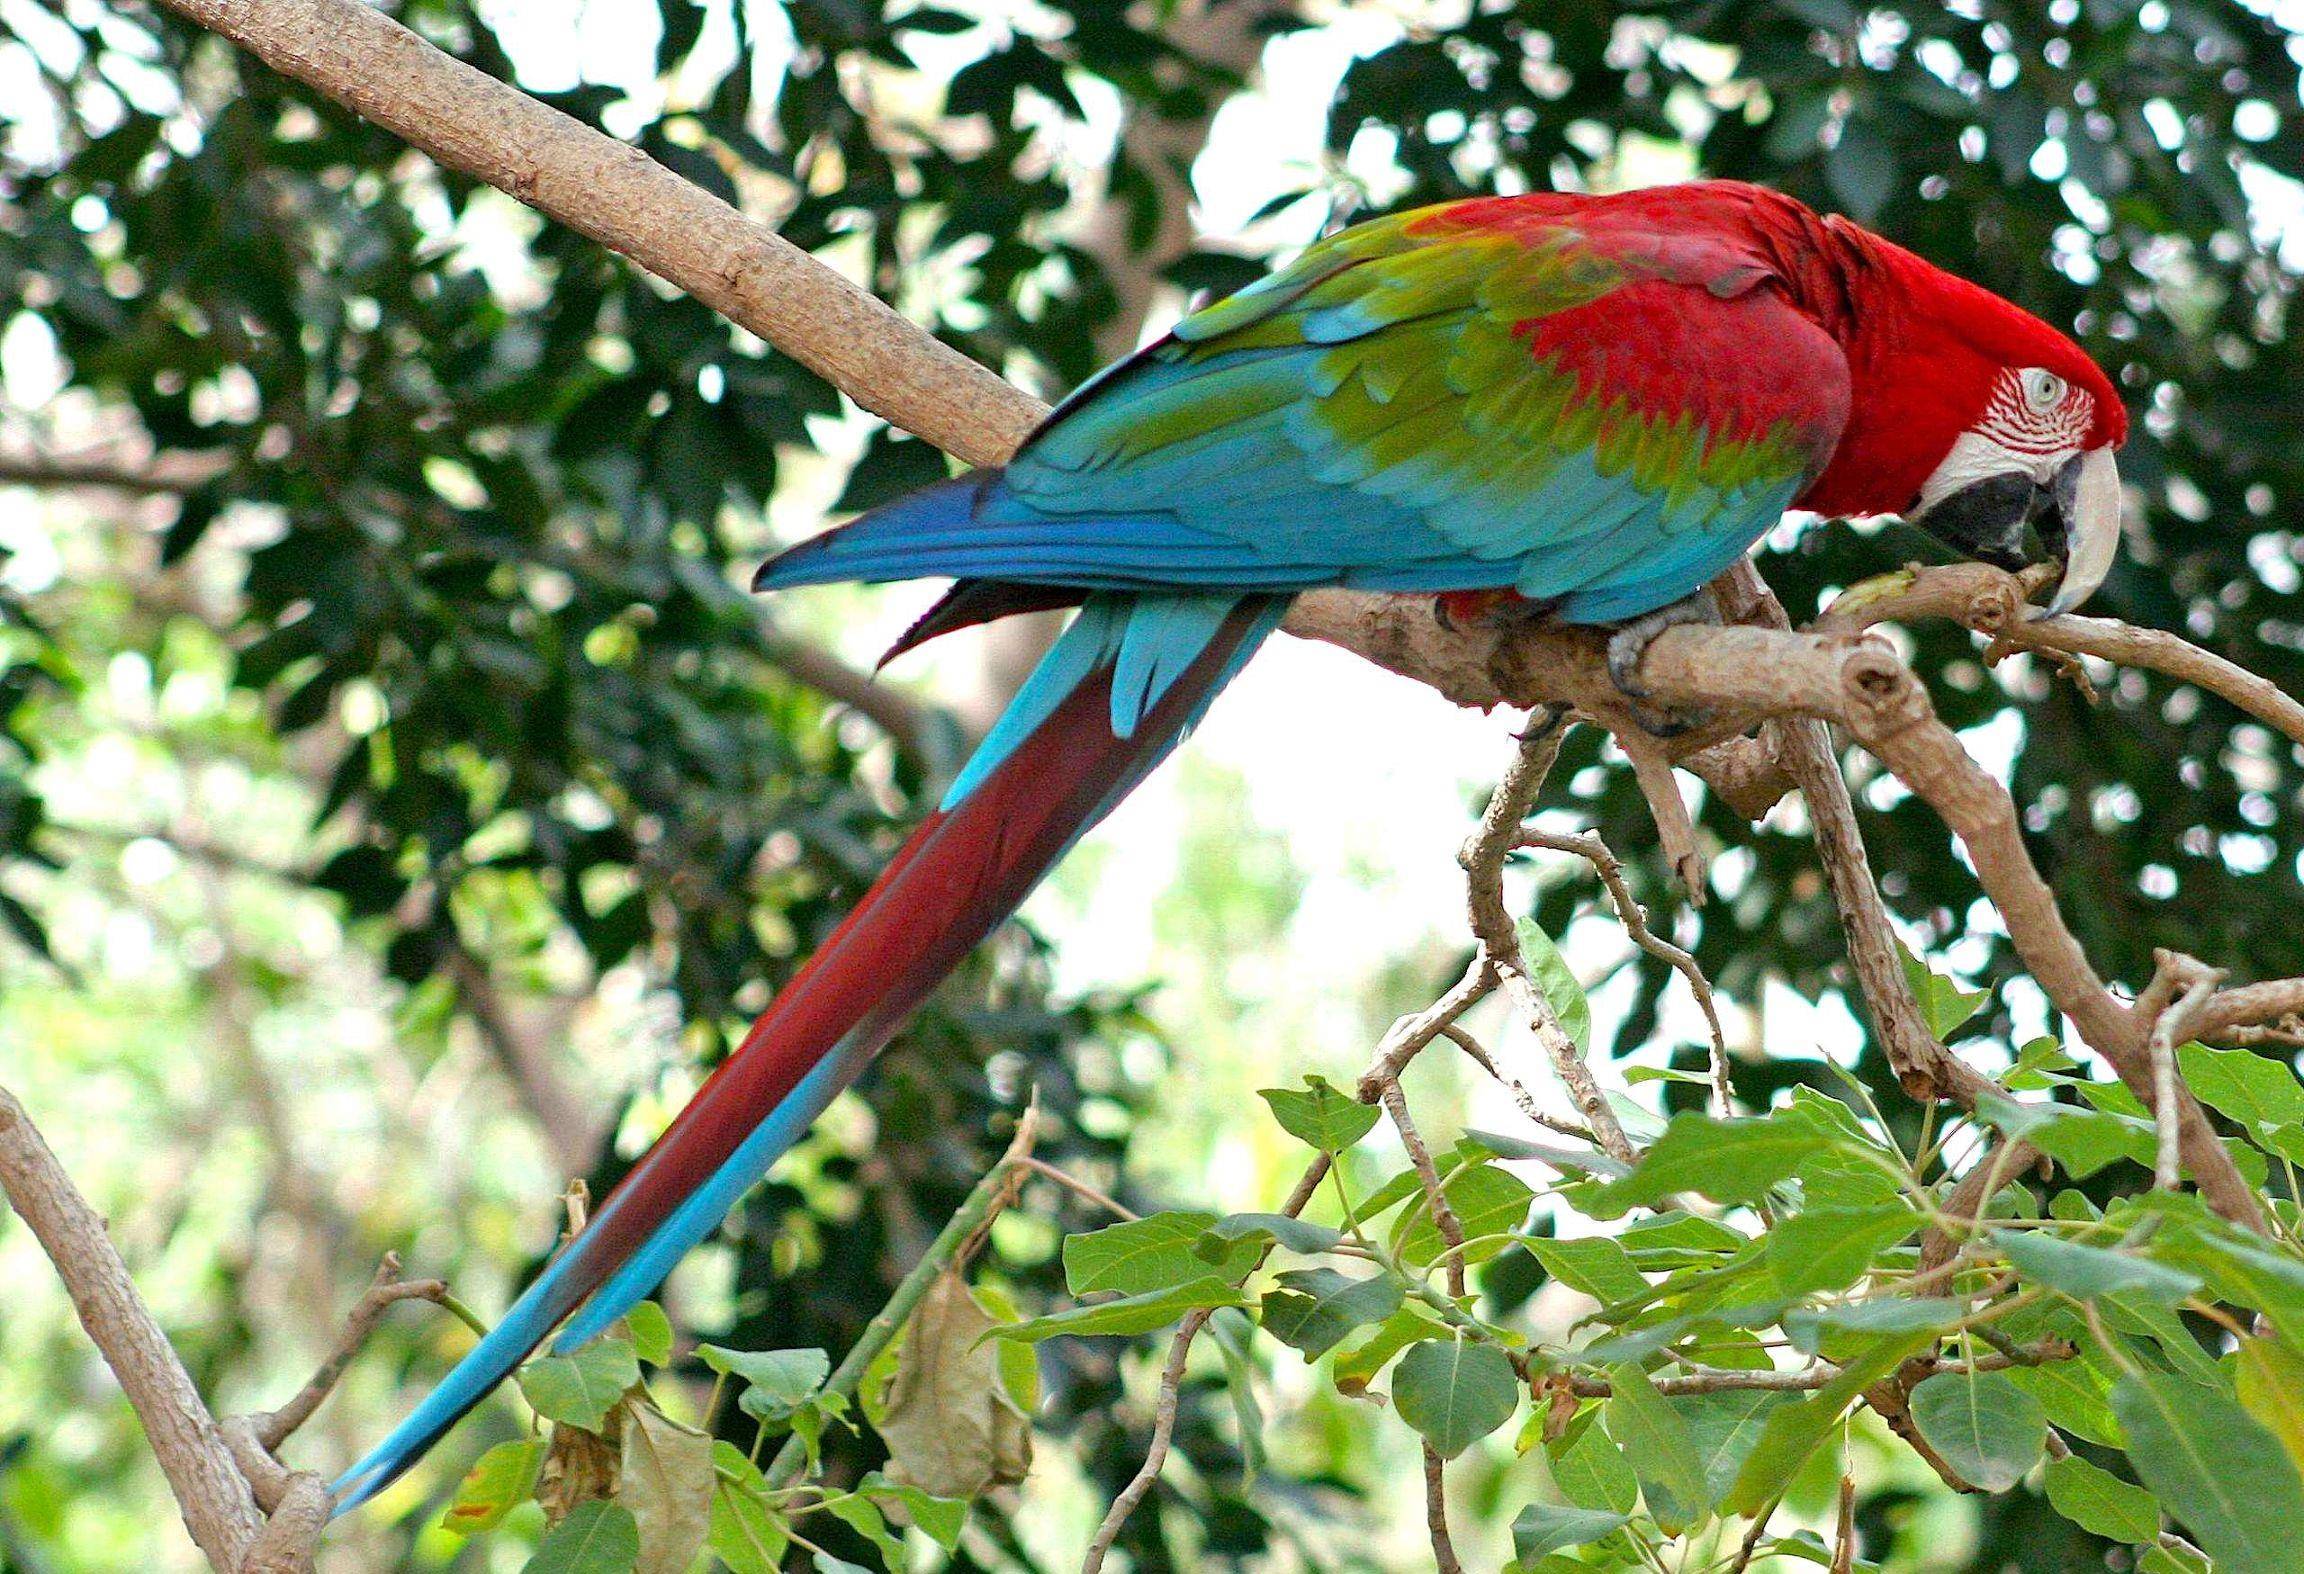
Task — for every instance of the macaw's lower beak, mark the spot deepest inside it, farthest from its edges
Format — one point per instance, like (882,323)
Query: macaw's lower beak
(2012,520)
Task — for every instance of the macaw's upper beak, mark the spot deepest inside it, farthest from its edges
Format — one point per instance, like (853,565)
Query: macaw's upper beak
(2074,516)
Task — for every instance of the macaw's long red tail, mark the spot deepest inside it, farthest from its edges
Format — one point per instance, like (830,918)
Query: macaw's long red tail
(1130,677)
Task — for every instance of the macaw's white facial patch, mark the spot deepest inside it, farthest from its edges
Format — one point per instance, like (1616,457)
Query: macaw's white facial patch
(2033,423)
(2035,414)
(1976,457)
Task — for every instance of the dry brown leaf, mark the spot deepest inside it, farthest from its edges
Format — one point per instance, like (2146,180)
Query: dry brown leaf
(668,1487)
(950,1427)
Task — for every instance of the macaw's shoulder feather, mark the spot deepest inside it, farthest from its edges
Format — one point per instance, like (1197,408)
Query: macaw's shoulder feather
(1579,403)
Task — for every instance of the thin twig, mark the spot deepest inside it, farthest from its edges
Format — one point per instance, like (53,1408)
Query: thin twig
(1675,832)
(1993,603)
(1526,1100)
(1844,1525)
(1751,1541)
(2194,984)
(1411,1035)
(1076,1185)
(1821,1374)
(386,1290)
(1491,921)
(1436,1513)
(1444,1217)
(1589,846)
(1171,1390)
(1156,1453)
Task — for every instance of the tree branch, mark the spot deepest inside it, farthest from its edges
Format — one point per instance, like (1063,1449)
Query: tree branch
(218,1508)
(631,204)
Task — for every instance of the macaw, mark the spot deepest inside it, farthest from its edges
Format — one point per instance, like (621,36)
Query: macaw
(1590,405)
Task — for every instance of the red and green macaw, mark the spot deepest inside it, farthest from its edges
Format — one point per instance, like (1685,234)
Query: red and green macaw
(1593,404)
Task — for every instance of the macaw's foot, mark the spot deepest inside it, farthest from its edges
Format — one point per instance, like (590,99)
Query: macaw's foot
(1630,642)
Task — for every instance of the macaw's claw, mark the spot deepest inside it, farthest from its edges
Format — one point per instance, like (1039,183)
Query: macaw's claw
(1629,643)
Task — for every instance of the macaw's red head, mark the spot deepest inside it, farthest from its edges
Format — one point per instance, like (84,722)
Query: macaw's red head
(1973,419)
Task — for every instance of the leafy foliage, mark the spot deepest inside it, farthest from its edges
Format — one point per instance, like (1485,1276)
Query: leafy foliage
(465,554)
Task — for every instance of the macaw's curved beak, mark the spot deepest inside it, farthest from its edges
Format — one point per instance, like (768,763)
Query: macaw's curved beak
(2013,519)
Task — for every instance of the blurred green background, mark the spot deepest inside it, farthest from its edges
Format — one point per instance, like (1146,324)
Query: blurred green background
(401,801)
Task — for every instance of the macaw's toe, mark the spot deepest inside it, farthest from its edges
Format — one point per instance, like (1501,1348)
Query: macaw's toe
(1630,642)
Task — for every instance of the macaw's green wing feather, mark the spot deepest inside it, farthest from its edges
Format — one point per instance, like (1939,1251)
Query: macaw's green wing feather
(1433,401)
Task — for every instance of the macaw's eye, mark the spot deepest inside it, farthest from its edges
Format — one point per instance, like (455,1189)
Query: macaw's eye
(2043,390)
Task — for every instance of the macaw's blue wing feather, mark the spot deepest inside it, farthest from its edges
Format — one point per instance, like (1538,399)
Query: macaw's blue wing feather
(1415,405)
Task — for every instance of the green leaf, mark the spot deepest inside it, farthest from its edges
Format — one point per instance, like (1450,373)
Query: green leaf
(579,1390)
(2129,1313)
(2216,1468)
(2269,1376)
(1657,1443)
(2085,1271)
(1635,1075)
(596,1538)
(1792,1431)
(1590,1470)
(1821,1330)
(1595,1265)
(1725,1160)
(1577,1160)
(1557,981)
(1830,1248)
(1488,1202)
(2255,1090)
(1235,1335)
(2166,1560)
(651,1333)
(1298,1235)
(1156,1252)
(1685,1231)
(498,1482)
(1320,1115)
(1455,1392)
(939,1518)
(1726,1427)
(778,1382)
(2077,1395)
(2250,1275)
(1315,1308)
(1945,1004)
(1986,1428)
(747,1534)
(863,1516)
(1356,1368)
(1542,1528)
(1131,1314)
(2085,1141)
(2102,1504)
